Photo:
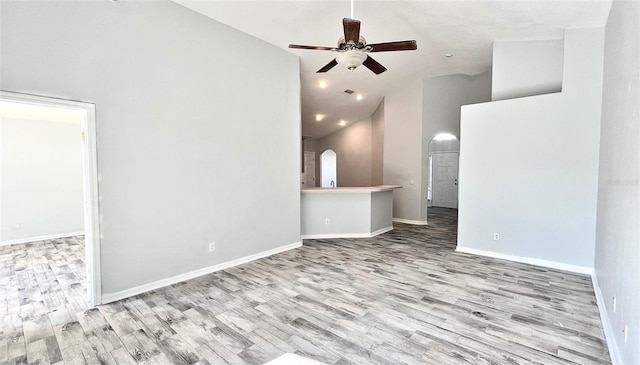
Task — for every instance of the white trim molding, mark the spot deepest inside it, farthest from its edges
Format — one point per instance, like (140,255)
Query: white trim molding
(41,238)
(112,297)
(528,260)
(347,235)
(410,221)
(609,336)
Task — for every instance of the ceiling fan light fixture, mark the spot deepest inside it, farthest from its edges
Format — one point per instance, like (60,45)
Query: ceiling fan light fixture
(351,59)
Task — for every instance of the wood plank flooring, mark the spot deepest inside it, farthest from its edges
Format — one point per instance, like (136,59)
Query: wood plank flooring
(404,297)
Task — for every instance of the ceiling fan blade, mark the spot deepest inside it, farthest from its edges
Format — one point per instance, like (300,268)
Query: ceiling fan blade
(374,66)
(318,48)
(351,30)
(328,66)
(394,46)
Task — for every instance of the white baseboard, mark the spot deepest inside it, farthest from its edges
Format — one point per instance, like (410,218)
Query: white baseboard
(528,260)
(606,324)
(41,238)
(381,231)
(409,221)
(347,235)
(112,297)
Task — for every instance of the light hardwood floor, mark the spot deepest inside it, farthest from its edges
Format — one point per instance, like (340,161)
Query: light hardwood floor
(404,297)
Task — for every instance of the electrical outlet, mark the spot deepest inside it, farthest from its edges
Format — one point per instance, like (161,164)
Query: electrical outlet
(626,332)
(212,246)
(496,236)
(613,306)
(327,221)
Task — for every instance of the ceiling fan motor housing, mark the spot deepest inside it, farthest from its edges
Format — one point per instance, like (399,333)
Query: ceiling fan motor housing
(344,46)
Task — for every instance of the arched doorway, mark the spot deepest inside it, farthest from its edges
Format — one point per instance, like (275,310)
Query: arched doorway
(328,169)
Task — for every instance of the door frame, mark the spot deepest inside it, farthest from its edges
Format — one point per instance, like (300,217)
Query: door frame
(89,182)
(433,194)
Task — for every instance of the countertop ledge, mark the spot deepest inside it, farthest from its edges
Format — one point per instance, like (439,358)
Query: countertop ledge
(349,189)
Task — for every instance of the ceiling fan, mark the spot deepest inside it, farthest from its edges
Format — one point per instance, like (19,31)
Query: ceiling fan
(353,49)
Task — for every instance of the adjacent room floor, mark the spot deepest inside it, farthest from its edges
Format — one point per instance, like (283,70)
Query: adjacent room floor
(404,297)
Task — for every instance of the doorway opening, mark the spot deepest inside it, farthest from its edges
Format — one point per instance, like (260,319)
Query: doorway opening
(309,173)
(328,169)
(442,189)
(52,146)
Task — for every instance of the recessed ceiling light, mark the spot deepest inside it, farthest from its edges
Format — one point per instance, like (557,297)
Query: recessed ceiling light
(448,55)
(319,117)
(322,84)
(359,97)
(342,123)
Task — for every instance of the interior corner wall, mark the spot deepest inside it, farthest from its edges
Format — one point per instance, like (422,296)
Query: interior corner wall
(377,145)
(183,129)
(443,97)
(617,250)
(526,68)
(41,193)
(352,146)
(403,150)
(529,166)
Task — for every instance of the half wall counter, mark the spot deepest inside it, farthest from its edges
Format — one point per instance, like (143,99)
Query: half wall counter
(346,212)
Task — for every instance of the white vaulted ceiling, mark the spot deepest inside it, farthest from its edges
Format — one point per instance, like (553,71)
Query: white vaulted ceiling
(465,29)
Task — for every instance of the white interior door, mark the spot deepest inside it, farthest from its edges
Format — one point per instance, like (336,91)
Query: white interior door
(445,179)
(309,176)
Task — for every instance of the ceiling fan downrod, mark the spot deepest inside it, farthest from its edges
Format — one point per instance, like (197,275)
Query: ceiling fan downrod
(352,9)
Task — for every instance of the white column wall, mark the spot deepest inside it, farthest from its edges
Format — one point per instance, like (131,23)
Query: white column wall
(529,167)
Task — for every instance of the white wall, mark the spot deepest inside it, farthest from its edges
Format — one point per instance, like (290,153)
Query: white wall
(449,145)
(617,250)
(529,166)
(352,145)
(309,144)
(185,131)
(444,95)
(403,148)
(377,145)
(526,68)
(40,179)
